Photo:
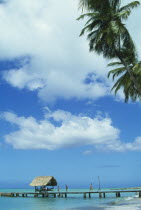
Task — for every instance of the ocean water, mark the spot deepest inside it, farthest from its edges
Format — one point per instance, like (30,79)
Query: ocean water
(127,201)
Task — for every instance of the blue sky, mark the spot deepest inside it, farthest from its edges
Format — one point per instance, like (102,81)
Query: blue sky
(57,114)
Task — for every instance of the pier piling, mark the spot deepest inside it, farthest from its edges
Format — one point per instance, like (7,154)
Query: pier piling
(117,194)
(100,195)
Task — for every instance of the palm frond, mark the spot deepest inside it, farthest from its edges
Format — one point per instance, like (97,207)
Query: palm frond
(91,14)
(116,72)
(126,83)
(89,28)
(119,83)
(84,4)
(93,5)
(124,14)
(137,68)
(114,64)
(130,6)
(94,19)
(115,4)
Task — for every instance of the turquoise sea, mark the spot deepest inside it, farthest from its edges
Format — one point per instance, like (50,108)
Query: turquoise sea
(129,201)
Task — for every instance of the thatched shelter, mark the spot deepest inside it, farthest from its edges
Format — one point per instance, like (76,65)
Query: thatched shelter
(43,181)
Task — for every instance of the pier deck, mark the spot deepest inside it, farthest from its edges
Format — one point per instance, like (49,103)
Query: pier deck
(101,193)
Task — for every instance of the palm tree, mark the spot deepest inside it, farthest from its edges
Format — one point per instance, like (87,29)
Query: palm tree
(108,35)
(124,81)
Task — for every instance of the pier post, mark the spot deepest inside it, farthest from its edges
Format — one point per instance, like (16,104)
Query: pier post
(139,194)
(100,195)
(84,195)
(65,195)
(43,195)
(104,195)
(89,195)
(118,194)
(54,195)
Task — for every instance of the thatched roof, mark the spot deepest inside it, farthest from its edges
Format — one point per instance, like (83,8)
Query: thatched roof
(44,181)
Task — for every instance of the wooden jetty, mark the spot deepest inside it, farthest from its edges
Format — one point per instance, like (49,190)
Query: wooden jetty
(87,194)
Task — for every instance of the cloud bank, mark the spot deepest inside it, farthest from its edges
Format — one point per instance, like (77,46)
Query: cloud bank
(48,33)
(60,129)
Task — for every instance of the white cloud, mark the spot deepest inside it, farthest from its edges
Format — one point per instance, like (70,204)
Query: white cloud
(69,131)
(135,146)
(87,152)
(48,32)
(22,78)
(61,129)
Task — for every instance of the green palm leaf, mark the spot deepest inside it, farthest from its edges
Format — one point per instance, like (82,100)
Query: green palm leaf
(130,6)
(94,5)
(116,72)
(124,81)
(114,64)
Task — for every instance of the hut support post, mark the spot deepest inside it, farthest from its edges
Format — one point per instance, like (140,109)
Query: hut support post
(104,195)
(89,195)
